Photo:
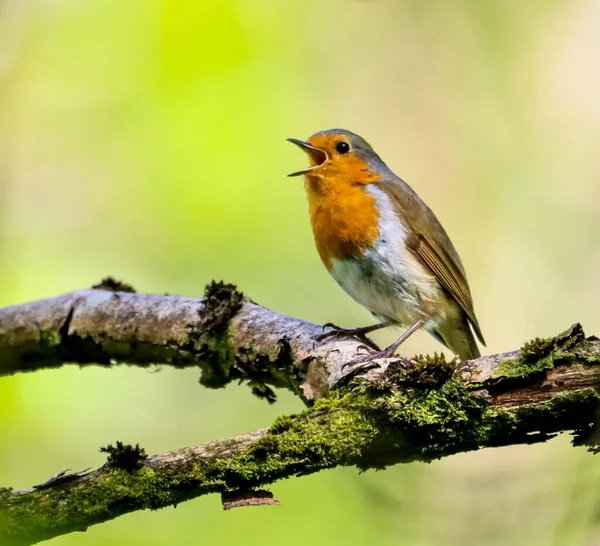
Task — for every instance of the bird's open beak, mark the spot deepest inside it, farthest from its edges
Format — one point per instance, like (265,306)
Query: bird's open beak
(317,156)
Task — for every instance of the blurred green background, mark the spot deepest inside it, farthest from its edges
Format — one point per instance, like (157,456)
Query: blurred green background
(146,140)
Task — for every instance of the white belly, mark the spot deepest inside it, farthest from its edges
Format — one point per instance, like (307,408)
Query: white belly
(388,280)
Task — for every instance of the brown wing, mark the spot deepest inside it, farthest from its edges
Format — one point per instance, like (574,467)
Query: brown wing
(431,243)
(450,276)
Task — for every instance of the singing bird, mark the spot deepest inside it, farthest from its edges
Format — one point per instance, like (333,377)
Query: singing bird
(384,246)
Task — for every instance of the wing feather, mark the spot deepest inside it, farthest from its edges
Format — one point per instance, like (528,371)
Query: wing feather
(435,249)
(450,276)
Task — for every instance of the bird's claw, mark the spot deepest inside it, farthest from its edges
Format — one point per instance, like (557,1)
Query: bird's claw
(335,331)
(331,325)
(357,333)
(369,350)
(388,352)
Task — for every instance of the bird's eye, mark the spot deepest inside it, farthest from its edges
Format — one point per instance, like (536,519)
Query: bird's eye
(342,147)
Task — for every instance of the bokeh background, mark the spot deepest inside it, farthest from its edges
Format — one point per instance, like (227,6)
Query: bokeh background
(146,139)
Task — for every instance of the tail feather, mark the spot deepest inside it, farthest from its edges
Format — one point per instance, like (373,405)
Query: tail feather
(458,337)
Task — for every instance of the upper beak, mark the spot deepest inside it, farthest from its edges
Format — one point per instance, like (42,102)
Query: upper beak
(316,154)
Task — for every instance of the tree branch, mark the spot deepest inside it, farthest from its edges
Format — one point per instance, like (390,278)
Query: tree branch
(229,337)
(390,413)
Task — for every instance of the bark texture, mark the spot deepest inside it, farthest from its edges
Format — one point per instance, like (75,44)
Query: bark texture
(370,417)
(227,336)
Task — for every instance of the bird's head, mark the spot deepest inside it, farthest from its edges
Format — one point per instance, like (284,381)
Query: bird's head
(339,156)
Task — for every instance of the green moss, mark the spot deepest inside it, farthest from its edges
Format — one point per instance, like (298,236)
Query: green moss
(433,422)
(365,428)
(221,364)
(50,338)
(265,446)
(316,439)
(540,421)
(221,302)
(321,437)
(281,424)
(541,354)
(429,370)
(326,404)
(585,351)
(216,360)
(209,339)
(522,368)
(425,371)
(5,492)
(537,348)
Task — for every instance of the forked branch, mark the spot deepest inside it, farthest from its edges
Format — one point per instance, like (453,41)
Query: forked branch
(390,413)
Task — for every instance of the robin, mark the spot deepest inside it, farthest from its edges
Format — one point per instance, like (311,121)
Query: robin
(385,247)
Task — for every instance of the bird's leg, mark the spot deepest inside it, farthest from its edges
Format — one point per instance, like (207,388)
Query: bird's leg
(391,349)
(358,333)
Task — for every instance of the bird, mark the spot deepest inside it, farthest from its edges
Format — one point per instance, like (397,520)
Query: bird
(385,247)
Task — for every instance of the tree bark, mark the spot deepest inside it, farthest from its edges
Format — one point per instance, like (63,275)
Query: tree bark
(370,417)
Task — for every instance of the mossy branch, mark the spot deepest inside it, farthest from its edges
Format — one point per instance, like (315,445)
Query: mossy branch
(388,414)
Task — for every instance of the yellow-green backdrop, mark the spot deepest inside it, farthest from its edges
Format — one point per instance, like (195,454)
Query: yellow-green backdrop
(146,139)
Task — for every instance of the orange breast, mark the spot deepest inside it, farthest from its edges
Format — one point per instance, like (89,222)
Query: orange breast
(344,218)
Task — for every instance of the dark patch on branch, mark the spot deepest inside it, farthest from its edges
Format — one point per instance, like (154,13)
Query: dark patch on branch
(125,456)
(258,370)
(588,436)
(237,499)
(110,284)
(221,302)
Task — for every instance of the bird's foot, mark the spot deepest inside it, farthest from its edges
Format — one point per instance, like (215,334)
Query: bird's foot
(367,359)
(358,333)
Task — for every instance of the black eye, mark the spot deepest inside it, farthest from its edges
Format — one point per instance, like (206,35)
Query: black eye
(342,147)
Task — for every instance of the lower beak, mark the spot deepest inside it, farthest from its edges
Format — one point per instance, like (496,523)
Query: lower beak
(317,155)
